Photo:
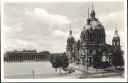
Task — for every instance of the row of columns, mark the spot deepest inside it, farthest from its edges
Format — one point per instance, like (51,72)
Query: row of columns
(25,57)
(97,38)
(85,57)
(100,38)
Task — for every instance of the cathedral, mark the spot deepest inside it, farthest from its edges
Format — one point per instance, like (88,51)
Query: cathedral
(92,42)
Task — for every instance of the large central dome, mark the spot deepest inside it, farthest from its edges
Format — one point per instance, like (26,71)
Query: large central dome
(93,23)
(93,32)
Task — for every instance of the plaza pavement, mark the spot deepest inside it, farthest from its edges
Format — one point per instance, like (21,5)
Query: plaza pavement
(95,73)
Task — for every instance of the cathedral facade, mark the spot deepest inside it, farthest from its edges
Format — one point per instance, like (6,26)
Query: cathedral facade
(92,39)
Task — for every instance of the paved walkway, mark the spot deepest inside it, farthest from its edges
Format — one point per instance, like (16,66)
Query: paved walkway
(96,73)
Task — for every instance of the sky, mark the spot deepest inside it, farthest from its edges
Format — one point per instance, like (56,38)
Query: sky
(46,25)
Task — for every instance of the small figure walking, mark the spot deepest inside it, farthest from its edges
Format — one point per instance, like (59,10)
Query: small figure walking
(76,71)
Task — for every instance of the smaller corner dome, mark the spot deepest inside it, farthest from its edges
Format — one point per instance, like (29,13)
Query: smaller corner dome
(116,35)
(116,38)
(70,37)
(92,11)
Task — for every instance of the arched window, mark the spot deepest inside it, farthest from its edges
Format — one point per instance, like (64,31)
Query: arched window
(91,37)
(118,43)
(113,43)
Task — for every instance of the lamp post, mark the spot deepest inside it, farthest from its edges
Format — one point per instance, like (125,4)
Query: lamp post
(82,57)
(104,59)
(87,62)
(33,73)
(87,57)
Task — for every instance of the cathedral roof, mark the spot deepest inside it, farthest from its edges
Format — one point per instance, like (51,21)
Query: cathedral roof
(70,34)
(93,23)
(116,36)
(92,12)
(94,26)
(70,37)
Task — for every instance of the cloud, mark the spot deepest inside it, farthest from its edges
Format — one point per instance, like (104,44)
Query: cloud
(37,29)
(109,20)
(14,44)
(47,27)
(42,15)
(15,28)
(59,33)
(12,31)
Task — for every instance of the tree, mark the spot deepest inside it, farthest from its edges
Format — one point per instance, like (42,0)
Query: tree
(103,50)
(64,61)
(117,58)
(97,60)
(59,61)
(55,61)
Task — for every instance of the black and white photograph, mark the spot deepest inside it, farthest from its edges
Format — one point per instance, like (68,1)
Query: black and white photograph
(67,40)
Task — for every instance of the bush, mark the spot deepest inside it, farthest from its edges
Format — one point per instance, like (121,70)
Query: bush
(117,59)
(59,61)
